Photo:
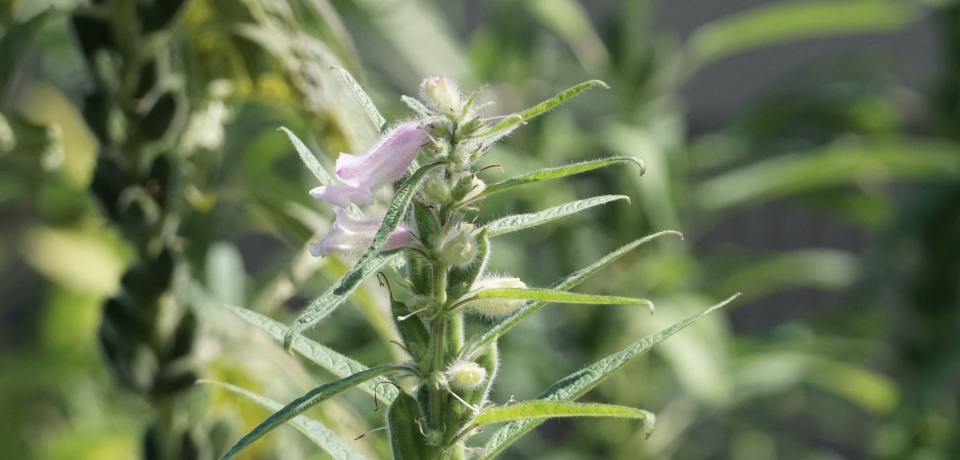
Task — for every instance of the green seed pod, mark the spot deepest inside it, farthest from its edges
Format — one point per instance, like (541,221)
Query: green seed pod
(465,375)
(428,224)
(406,440)
(497,307)
(436,189)
(462,278)
(490,362)
(458,249)
(412,330)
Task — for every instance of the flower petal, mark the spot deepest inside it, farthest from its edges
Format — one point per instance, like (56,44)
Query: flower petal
(385,161)
(342,195)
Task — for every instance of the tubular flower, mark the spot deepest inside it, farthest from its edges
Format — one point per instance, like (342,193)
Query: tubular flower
(380,164)
(353,235)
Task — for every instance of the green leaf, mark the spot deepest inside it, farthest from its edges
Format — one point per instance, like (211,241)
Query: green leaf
(787,21)
(309,159)
(314,397)
(577,384)
(550,173)
(521,221)
(548,104)
(225,275)
(542,410)
(15,42)
(797,173)
(552,295)
(337,294)
(460,279)
(319,434)
(363,99)
(416,106)
(330,360)
(370,261)
(406,439)
(508,322)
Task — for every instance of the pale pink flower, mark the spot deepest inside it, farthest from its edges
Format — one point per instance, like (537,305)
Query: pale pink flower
(380,164)
(351,235)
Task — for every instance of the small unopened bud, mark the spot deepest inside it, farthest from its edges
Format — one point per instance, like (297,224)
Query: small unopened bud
(465,375)
(443,93)
(458,249)
(436,189)
(476,186)
(467,186)
(497,307)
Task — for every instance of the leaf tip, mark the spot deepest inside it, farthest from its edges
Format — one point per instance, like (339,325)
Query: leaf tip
(288,342)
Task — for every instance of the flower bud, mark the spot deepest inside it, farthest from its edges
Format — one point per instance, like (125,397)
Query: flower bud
(443,93)
(458,249)
(436,189)
(465,375)
(467,186)
(496,307)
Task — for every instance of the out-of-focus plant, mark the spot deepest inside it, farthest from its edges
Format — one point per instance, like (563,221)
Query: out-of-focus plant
(439,254)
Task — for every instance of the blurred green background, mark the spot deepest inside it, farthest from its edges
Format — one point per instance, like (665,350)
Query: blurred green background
(807,150)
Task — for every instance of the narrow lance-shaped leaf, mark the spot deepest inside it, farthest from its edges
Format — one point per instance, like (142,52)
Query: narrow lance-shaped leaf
(786,21)
(314,397)
(370,262)
(521,221)
(319,434)
(330,360)
(508,322)
(577,384)
(551,295)
(542,410)
(553,102)
(416,106)
(337,294)
(309,159)
(363,99)
(551,173)
(406,438)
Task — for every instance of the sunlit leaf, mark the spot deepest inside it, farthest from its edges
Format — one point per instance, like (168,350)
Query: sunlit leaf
(508,322)
(522,221)
(577,384)
(542,410)
(332,361)
(363,99)
(309,159)
(550,173)
(319,434)
(550,295)
(314,397)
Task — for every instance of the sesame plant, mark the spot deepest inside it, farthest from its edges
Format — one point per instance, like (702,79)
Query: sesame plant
(430,251)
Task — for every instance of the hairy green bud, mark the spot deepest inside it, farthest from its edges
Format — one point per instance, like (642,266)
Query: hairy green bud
(458,249)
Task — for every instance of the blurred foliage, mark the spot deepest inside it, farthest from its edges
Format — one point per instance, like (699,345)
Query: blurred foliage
(876,373)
